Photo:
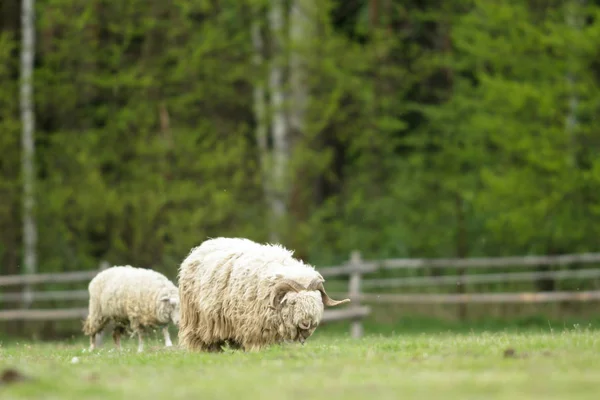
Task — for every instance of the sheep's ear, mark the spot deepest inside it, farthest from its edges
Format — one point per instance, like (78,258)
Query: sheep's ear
(170,300)
(278,301)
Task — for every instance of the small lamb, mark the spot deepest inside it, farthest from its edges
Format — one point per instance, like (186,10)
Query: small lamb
(134,298)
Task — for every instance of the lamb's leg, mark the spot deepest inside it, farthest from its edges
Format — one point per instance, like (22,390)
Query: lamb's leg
(136,327)
(92,327)
(99,337)
(167,337)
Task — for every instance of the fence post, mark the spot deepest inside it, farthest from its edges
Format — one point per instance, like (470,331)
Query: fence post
(103,265)
(26,301)
(354,292)
(27,296)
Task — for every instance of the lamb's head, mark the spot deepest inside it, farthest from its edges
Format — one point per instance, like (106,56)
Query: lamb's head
(169,308)
(300,308)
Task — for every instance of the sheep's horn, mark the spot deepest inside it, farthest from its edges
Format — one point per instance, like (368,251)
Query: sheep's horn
(290,283)
(314,284)
(283,287)
(317,284)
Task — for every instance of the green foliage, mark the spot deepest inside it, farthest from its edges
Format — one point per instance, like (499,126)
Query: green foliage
(149,150)
(467,129)
(533,163)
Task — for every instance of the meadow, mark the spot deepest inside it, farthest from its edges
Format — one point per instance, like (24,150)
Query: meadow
(549,363)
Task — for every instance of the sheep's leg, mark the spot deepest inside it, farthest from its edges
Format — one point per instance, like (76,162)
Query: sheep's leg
(95,340)
(167,337)
(99,337)
(93,327)
(136,327)
(233,344)
(210,347)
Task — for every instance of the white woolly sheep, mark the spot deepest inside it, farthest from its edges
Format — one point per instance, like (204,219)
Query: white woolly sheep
(245,294)
(134,298)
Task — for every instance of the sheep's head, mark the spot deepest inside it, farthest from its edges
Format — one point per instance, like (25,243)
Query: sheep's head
(169,305)
(301,308)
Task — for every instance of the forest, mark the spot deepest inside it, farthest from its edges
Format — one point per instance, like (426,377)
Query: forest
(397,128)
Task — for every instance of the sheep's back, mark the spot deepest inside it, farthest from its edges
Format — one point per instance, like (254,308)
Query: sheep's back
(226,275)
(129,292)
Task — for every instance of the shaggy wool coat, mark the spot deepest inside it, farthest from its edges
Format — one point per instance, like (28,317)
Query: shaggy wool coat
(226,289)
(129,297)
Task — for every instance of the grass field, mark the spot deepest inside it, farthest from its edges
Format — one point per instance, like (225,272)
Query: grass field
(550,364)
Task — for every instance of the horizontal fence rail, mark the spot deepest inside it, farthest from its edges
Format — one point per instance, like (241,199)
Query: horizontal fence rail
(498,262)
(18,297)
(452,298)
(58,277)
(480,278)
(354,269)
(345,314)
(43,315)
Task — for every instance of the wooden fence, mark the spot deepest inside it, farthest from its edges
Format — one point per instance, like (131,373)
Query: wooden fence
(355,269)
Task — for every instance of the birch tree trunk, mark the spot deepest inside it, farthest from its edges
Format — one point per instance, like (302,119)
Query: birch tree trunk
(302,33)
(304,23)
(279,124)
(262,127)
(28,143)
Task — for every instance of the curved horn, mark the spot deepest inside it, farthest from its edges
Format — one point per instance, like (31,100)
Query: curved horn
(314,284)
(281,288)
(317,284)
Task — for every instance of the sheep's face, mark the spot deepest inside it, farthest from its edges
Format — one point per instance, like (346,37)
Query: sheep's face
(300,307)
(170,308)
(301,314)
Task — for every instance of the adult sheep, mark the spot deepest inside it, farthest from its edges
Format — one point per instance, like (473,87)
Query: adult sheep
(134,298)
(250,295)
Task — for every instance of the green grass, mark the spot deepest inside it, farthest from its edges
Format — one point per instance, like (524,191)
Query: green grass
(550,364)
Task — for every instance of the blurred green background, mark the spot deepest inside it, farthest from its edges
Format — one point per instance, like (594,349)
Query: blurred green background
(408,128)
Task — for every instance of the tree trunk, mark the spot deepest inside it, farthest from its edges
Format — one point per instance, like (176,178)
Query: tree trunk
(262,128)
(28,143)
(303,28)
(280,128)
(301,32)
